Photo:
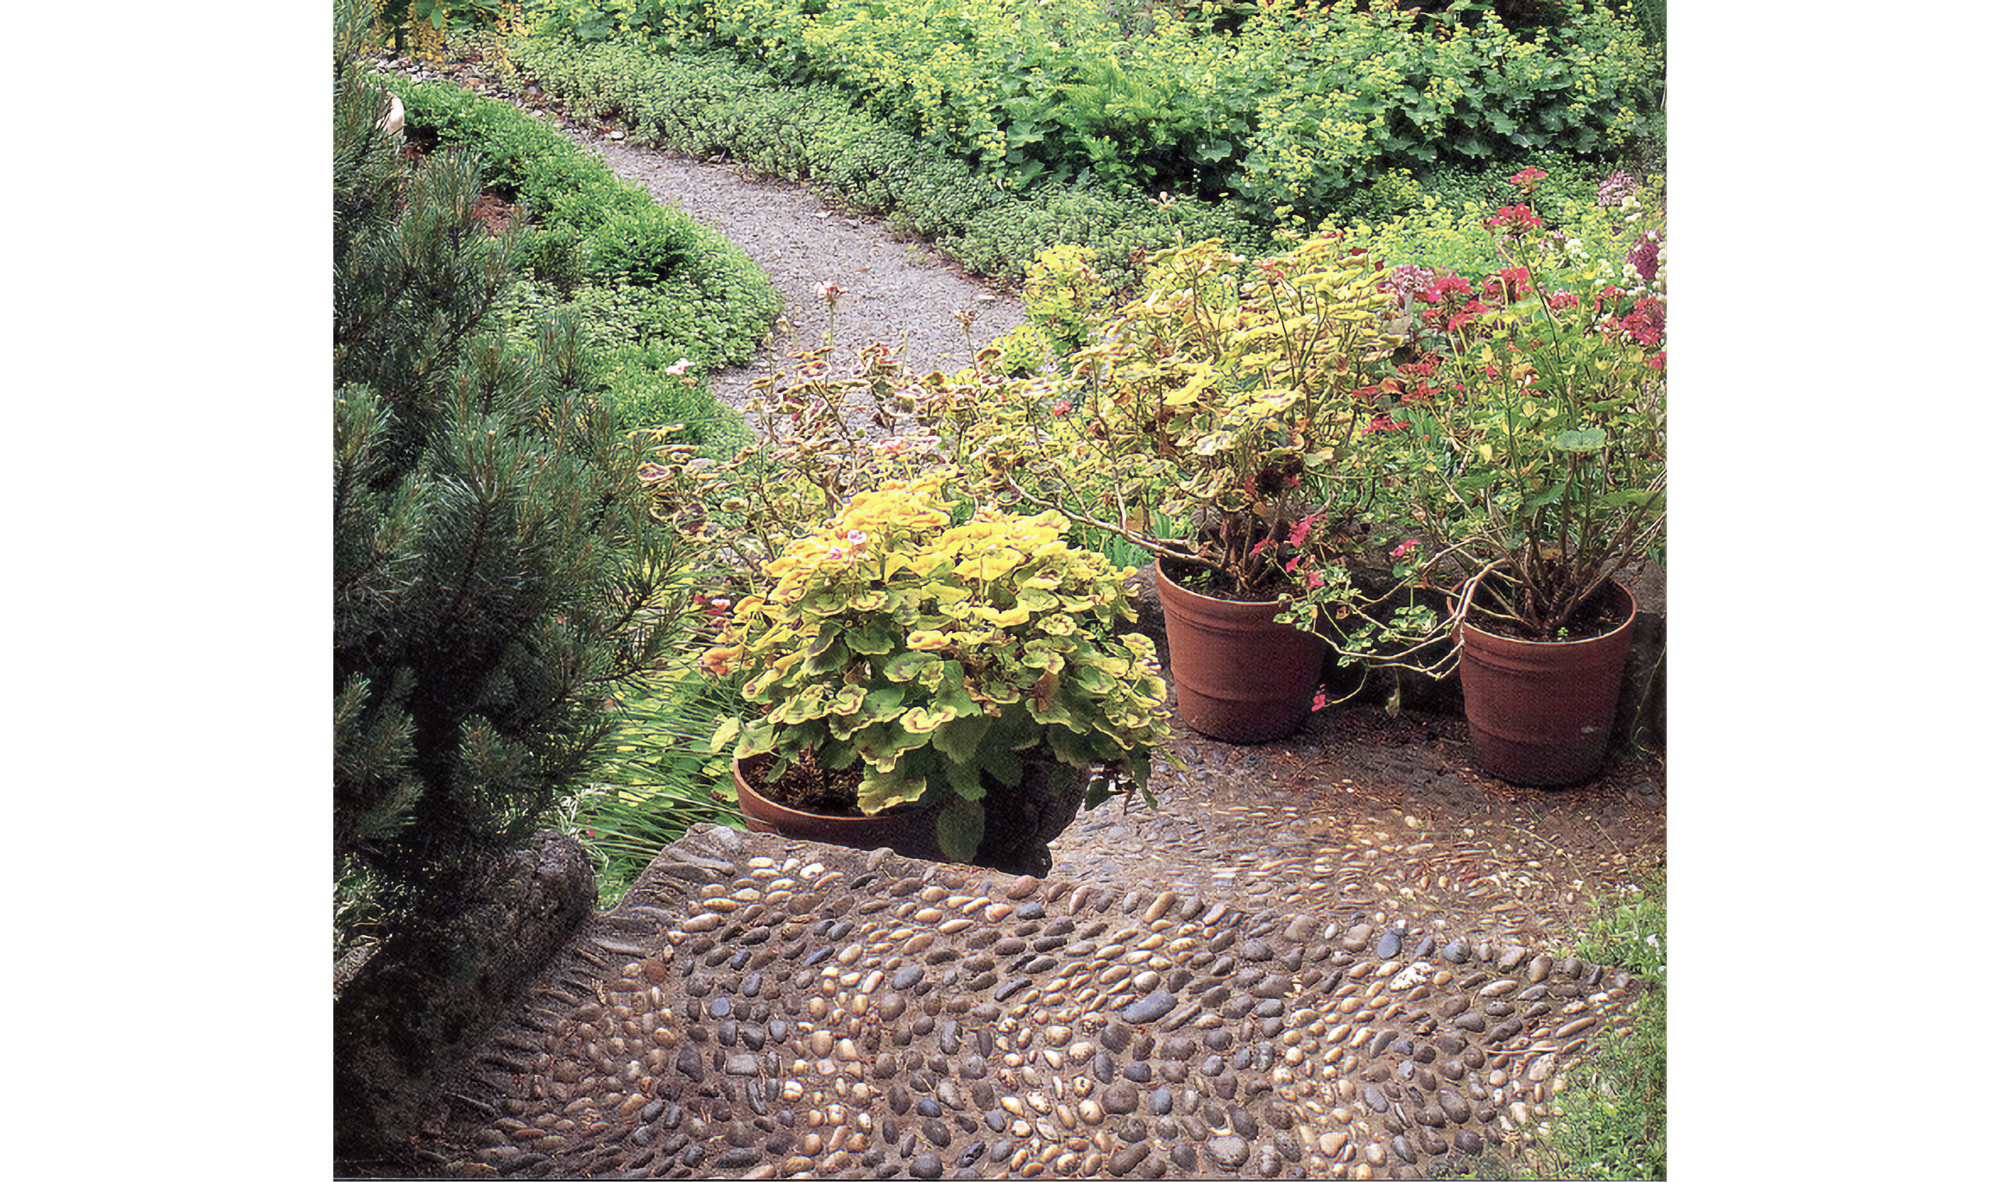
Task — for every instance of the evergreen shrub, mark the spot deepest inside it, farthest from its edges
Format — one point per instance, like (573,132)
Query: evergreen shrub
(496,568)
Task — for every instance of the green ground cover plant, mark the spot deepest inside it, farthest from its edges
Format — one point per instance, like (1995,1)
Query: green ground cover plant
(1286,107)
(1610,1118)
(661,300)
(704,104)
(814,96)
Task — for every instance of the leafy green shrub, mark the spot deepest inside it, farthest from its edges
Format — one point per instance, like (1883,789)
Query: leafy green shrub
(508,142)
(861,164)
(941,195)
(645,246)
(1023,350)
(650,286)
(1288,106)
(1116,227)
(557,255)
(644,393)
(1062,296)
(1350,115)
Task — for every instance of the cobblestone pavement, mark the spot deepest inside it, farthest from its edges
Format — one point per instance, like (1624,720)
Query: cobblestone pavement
(1337,955)
(759,1008)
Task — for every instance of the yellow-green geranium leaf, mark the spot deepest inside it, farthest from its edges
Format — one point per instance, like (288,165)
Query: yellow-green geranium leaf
(881,790)
(873,638)
(905,666)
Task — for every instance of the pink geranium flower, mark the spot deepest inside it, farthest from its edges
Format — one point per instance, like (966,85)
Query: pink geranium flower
(1616,188)
(1303,527)
(1444,288)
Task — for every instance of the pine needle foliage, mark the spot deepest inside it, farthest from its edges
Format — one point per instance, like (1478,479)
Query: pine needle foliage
(496,572)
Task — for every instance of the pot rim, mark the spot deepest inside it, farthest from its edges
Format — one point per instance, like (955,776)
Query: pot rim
(746,784)
(1465,590)
(1160,573)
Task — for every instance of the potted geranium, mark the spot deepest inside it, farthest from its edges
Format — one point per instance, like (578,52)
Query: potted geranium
(1526,468)
(972,674)
(1213,423)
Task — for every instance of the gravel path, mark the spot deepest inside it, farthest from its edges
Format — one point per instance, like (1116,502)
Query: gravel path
(898,291)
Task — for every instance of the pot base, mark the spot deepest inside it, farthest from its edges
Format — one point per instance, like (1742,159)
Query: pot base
(1020,821)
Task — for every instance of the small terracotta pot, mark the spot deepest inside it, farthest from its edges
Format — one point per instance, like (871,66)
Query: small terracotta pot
(1240,676)
(910,830)
(1020,821)
(1541,711)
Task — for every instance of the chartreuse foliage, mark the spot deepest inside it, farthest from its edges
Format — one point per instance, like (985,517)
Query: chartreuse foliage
(1207,418)
(935,656)
(702,104)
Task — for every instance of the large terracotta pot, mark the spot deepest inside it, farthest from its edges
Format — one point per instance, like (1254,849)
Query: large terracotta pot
(1240,676)
(910,830)
(1541,711)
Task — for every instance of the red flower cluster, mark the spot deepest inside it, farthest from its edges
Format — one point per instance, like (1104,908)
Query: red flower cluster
(1647,323)
(1508,286)
(1514,219)
(1455,308)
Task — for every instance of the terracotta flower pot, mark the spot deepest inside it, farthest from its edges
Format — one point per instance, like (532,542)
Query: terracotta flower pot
(910,830)
(1021,820)
(1241,676)
(1541,711)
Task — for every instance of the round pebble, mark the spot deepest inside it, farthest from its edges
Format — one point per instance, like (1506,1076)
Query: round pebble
(1229,1152)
